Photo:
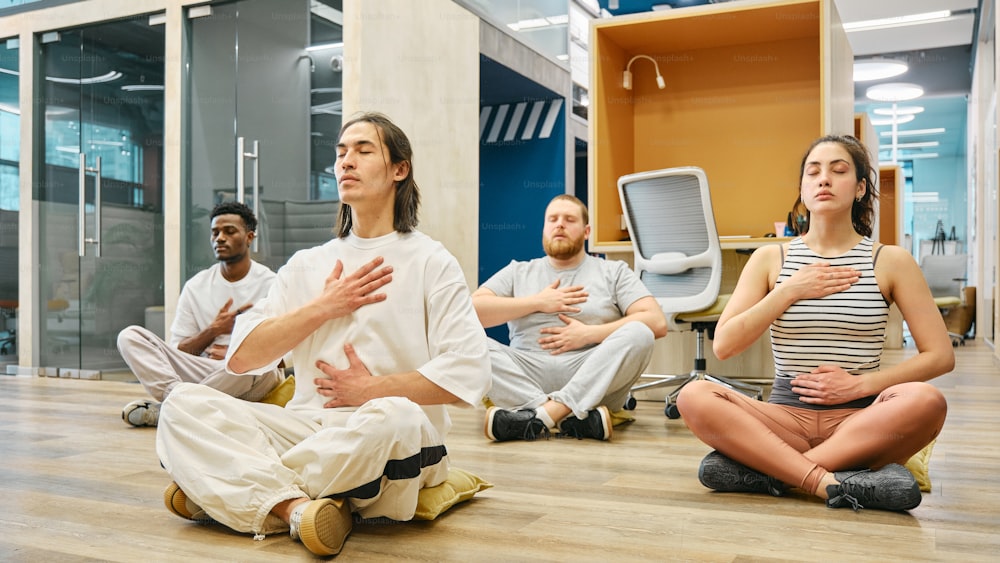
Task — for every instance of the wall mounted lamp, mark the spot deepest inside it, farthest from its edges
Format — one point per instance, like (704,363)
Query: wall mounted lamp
(627,75)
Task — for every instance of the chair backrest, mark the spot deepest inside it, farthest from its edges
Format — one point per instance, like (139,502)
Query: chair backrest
(944,273)
(289,226)
(674,239)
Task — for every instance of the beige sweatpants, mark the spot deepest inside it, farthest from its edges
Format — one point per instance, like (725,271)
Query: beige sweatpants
(159,367)
(237,459)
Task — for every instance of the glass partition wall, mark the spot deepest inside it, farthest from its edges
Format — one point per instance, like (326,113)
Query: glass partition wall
(10,156)
(99,194)
(263,109)
(260,108)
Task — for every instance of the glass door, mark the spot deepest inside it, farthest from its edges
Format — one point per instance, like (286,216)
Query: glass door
(10,200)
(100,192)
(262,114)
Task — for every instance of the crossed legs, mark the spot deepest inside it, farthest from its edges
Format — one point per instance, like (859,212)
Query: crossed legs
(802,447)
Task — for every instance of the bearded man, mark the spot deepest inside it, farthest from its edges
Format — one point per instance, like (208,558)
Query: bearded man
(581,333)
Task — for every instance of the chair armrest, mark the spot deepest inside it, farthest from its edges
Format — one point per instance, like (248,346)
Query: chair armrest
(670,263)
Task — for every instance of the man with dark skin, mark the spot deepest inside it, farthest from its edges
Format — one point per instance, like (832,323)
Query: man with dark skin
(206,311)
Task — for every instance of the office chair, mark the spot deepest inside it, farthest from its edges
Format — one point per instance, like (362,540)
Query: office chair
(669,217)
(945,274)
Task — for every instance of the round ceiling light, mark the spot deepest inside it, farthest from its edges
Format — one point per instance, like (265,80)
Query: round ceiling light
(878,69)
(894,92)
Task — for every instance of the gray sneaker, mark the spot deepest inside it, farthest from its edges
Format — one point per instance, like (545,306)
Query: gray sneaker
(142,412)
(892,487)
(720,473)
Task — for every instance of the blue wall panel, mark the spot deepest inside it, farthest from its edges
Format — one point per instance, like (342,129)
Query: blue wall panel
(522,160)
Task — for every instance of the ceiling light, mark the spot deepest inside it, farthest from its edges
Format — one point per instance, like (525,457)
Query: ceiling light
(142,87)
(888,120)
(878,69)
(328,13)
(898,21)
(910,156)
(627,75)
(924,197)
(918,145)
(323,46)
(528,24)
(894,92)
(898,110)
(914,132)
(106,77)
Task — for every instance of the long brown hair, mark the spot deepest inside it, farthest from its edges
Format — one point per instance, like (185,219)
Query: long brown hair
(407,206)
(863,210)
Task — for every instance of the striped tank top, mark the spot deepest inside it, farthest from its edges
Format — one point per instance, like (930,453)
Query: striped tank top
(846,329)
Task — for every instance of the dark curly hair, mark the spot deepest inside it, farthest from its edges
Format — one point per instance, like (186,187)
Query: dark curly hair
(236,208)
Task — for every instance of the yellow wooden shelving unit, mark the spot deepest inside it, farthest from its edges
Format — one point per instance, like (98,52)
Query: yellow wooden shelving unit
(748,86)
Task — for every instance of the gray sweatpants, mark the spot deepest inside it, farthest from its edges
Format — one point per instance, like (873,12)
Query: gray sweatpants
(581,380)
(159,367)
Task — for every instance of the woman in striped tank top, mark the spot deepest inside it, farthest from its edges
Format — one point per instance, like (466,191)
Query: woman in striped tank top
(836,425)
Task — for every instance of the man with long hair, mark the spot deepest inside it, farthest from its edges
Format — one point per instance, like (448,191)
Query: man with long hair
(383,335)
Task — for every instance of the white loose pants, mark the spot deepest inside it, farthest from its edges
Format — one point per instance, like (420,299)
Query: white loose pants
(581,380)
(159,367)
(237,459)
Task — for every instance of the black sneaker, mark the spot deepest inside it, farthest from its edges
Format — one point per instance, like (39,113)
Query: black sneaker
(720,473)
(891,488)
(503,425)
(597,425)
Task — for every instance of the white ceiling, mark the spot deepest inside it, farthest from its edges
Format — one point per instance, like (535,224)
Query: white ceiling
(959,29)
(940,58)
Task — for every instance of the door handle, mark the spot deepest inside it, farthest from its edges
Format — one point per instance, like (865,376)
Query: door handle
(241,156)
(82,232)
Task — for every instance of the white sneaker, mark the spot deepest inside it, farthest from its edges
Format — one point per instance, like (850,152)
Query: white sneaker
(142,412)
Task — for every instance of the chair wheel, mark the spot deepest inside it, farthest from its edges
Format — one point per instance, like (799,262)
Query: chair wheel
(630,403)
(672,412)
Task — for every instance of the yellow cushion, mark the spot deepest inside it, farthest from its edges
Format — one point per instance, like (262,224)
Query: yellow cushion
(282,393)
(917,464)
(947,302)
(710,314)
(621,417)
(459,487)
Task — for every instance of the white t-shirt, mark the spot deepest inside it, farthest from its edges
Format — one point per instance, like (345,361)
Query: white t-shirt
(426,323)
(207,292)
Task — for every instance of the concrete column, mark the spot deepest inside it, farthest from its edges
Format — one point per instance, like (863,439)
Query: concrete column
(418,62)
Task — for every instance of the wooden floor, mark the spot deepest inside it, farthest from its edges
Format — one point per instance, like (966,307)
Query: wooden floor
(78,485)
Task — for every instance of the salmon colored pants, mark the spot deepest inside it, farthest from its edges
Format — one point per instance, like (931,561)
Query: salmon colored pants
(798,446)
